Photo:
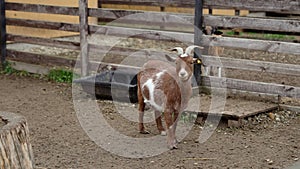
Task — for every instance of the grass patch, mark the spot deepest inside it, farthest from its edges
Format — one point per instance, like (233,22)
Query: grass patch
(9,70)
(57,75)
(61,75)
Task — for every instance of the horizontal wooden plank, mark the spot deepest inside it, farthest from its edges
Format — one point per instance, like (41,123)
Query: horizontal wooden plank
(39,59)
(269,46)
(43,24)
(175,19)
(44,41)
(257,5)
(252,65)
(252,86)
(253,23)
(243,64)
(252,44)
(42,8)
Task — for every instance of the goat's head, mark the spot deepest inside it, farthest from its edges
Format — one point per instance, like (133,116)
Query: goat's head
(184,62)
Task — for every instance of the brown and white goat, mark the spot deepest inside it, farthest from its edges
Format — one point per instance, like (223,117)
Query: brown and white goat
(166,89)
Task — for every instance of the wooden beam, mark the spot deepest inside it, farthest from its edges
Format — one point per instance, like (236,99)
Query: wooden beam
(39,59)
(2,34)
(42,8)
(198,38)
(252,65)
(267,24)
(157,18)
(83,27)
(242,43)
(44,41)
(43,24)
(252,44)
(252,86)
(257,5)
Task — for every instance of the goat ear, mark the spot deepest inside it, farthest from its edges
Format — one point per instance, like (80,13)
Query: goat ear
(170,58)
(197,61)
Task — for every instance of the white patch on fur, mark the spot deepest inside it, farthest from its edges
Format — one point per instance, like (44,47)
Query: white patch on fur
(151,86)
(163,133)
(158,75)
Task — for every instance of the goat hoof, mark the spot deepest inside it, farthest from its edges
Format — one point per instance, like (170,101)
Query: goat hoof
(144,132)
(173,147)
(163,133)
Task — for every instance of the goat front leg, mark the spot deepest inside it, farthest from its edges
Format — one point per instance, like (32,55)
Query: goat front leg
(176,118)
(170,130)
(159,123)
(141,112)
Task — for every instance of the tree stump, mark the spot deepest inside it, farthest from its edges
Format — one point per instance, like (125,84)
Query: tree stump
(15,148)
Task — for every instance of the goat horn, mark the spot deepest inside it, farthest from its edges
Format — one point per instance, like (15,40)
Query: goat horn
(189,49)
(178,49)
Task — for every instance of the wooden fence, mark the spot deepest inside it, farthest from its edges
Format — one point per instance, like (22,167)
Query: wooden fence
(157,19)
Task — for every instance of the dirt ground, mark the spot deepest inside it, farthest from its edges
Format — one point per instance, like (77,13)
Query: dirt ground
(59,141)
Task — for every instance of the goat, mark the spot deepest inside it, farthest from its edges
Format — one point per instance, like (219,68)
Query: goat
(166,89)
(213,50)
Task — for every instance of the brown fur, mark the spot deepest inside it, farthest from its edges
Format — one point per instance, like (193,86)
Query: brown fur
(170,92)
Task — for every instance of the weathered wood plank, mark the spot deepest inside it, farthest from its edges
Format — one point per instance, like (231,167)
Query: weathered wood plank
(269,46)
(253,23)
(2,33)
(252,86)
(15,147)
(257,5)
(251,65)
(83,27)
(262,45)
(39,59)
(43,24)
(44,42)
(42,8)
(172,19)
(242,64)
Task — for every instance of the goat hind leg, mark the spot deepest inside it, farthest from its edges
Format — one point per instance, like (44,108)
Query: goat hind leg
(170,130)
(159,123)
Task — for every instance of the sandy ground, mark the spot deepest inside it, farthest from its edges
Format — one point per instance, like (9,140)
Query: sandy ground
(59,141)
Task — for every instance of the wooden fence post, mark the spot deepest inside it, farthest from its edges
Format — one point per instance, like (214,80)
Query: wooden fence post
(2,33)
(83,28)
(198,37)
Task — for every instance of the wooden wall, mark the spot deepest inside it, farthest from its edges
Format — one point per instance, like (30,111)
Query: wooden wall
(46,17)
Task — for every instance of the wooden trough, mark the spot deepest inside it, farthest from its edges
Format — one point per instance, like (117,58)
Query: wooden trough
(119,85)
(15,147)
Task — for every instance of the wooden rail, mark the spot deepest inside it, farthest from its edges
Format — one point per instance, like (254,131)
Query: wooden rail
(165,21)
(257,5)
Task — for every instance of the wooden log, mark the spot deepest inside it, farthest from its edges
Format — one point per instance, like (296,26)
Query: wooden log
(15,147)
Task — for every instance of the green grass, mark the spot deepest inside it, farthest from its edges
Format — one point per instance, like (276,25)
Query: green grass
(57,75)
(9,70)
(61,75)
